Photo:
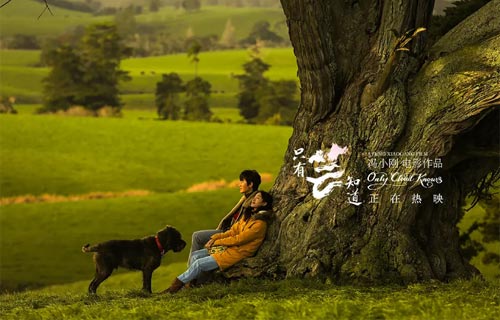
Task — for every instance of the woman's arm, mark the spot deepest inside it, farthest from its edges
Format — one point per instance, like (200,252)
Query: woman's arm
(228,233)
(258,230)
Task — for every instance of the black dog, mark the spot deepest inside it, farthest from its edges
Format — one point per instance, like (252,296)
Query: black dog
(140,254)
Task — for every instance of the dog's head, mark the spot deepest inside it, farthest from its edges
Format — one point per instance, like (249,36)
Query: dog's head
(171,239)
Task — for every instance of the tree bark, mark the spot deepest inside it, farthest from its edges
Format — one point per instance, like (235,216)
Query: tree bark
(358,91)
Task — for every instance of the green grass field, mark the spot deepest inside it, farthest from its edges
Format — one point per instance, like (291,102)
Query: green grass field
(50,154)
(217,67)
(257,299)
(57,231)
(71,156)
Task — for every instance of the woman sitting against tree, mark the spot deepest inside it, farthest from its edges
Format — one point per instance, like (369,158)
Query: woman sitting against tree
(226,249)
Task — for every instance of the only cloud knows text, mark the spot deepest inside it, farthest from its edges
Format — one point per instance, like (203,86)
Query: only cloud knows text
(378,180)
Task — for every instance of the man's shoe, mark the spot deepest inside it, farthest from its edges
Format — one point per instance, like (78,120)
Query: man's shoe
(191,284)
(174,287)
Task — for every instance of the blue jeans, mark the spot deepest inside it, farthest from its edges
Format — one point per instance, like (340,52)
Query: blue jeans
(199,262)
(198,241)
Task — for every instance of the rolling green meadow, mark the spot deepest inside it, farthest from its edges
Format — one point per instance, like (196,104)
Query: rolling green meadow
(21,76)
(210,20)
(67,181)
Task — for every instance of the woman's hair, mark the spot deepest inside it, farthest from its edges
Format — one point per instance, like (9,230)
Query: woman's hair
(268,199)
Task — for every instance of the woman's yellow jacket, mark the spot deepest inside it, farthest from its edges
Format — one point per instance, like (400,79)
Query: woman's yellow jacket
(242,240)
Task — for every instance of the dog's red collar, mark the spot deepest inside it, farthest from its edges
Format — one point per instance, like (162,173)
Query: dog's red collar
(158,244)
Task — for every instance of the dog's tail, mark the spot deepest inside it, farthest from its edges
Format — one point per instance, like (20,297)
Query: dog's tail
(88,248)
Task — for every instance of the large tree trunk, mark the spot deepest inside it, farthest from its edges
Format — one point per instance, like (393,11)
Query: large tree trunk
(357,91)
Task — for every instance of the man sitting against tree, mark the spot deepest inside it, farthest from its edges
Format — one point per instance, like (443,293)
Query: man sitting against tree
(249,184)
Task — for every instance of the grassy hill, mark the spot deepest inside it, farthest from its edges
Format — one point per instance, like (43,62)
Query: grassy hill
(21,18)
(21,77)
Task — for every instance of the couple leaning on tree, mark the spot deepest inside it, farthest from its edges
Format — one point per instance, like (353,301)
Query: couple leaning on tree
(238,236)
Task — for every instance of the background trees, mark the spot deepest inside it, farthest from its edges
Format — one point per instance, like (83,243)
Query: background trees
(196,104)
(261,100)
(88,74)
(194,49)
(277,103)
(62,86)
(261,31)
(228,38)
(168,102)
(191,5)
(125,22)
(167,96)
(154,5)
(252,83)
(197,92)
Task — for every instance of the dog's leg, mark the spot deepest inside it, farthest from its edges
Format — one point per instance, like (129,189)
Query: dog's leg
(102,272)
(147,274)
(98,279)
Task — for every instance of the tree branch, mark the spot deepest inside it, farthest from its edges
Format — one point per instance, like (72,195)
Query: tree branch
(4,4)
(45,9)
(481,25)
(452,94)
(459,85)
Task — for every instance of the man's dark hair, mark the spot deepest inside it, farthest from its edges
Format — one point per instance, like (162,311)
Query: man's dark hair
(251,176)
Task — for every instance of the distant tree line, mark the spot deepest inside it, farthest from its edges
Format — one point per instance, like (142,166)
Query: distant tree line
(97,8)
(228,3)
(87,6)
(150,39)
(90,6)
